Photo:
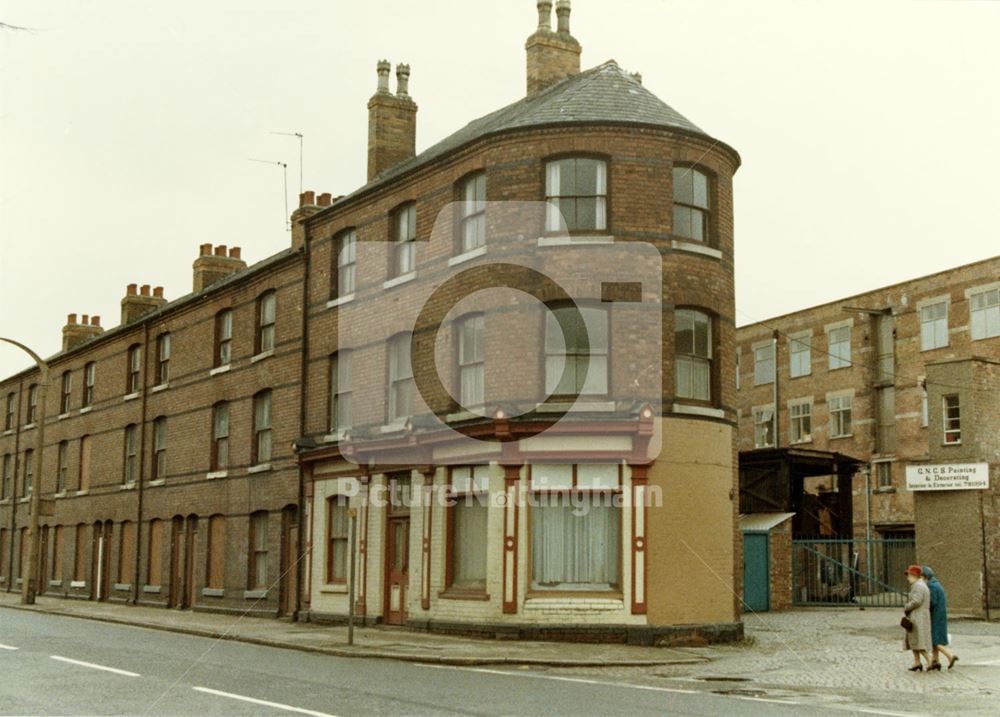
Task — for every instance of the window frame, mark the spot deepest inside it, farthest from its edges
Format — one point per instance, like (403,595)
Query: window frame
(133,369)
(223,340)
(796,342)
(769,422)
(340,400)
(583,307)
(218,409)
(130,464)
(705,212)
(158,471)
(463,365)
(215,562)
(337,503)
(339,268)
(951,424)
(256,554)
(693,357)
(575,489)
(86,458)
(395,381)
(771,347)
(32,405)
(550,227)
(89,382)
(472,212)
(266,335)
(836,360)
(987,310)
(400,246)
(837,424)
(934,324)
(62,467)
(10,416)
(6,477)
(259,431)
(28,473)
(452,539)
(66,392)
(800,415)
(163,359)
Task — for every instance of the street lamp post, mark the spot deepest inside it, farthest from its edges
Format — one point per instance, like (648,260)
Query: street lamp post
(29,581)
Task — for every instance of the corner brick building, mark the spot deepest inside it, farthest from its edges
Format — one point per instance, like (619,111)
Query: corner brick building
(867,376)
(221,468)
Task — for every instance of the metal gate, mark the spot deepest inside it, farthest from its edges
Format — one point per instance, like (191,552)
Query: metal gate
(835,572)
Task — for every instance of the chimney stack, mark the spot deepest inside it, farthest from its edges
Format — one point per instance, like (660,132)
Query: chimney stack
(215,263)
(309,204)
(76,332)
(552,56)
(138,302)
(392,121)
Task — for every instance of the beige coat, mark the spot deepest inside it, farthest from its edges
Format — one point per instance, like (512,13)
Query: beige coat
(918,609)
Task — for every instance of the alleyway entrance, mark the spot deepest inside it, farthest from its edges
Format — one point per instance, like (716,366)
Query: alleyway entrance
(837,571)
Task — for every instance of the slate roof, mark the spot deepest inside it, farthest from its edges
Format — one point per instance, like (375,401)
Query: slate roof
(603,94)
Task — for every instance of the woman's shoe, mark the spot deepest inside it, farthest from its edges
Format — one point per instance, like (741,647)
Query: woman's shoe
(934,666)
(917,668)
(952,661)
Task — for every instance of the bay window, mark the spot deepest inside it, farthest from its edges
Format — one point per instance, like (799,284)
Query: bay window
(691,204)
(693,354)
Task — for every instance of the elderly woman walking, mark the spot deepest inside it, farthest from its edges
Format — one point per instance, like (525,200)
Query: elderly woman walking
(939,620)
(918,615)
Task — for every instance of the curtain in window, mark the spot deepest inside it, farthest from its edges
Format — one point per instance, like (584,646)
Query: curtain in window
(469,546)
(575,547)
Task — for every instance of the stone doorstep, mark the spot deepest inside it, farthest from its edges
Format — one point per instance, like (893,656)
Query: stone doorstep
(372,652)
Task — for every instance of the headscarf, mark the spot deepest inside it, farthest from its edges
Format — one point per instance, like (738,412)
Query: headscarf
(928,573)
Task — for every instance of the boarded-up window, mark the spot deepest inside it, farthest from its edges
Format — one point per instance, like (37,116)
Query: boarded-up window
(84,463)
(79,556)
(58,537)
(216,572)
(3,552)
(126,551)
(257,570)
(155,563)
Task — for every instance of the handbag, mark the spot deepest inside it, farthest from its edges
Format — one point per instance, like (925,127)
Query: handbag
(906,623)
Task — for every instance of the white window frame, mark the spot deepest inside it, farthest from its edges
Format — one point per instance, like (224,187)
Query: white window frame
(984,321)
(799,344)
(840,403)
(951,425)
(800,420)
(835,353)
(553,187)
(472,362)
(933,329)
(400,376)
(763,419)
(760,377)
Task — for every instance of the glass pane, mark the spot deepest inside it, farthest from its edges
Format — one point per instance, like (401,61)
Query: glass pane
(461,479)
(469,544)
(683,185)
(263,446)
(550,477)
(575,547)
(596,382)
(597,475)
(683,221)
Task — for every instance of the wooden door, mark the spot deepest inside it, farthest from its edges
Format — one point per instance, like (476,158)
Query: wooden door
(289,559)
(397,569)
(176,569)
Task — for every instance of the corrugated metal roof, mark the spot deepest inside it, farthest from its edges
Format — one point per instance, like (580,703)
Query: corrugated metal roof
(762,522)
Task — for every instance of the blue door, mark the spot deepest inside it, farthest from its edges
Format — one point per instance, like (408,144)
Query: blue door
(756,575)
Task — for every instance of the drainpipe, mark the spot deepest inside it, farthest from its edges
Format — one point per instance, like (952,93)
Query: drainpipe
(304,559)
(777,438)
(142,462)
(13,486)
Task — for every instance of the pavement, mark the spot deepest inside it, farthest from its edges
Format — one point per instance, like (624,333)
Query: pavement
(817,661)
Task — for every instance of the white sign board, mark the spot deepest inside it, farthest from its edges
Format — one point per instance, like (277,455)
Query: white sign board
(948,476)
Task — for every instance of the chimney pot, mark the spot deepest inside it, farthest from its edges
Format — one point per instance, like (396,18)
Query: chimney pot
(545,15)
(402,80)
(220,250)
(234,252)
(71,319)
(563,10)
(206,249)
(84,319)
(307,198)
(383,76)
(324,199)
(144,290)
(132,289)
(158,292)
(95,321)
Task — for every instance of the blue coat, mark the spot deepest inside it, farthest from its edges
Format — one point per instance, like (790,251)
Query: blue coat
(939,612)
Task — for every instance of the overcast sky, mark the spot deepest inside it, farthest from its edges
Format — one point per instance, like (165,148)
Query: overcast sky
(868,129)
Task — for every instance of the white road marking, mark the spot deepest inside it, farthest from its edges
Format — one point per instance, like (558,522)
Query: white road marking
(600,683)
(96,667)
(764,699)
(7,647)
(868,711)
(265,703)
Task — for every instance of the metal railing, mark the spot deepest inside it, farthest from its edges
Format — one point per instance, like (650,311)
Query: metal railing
(833,572)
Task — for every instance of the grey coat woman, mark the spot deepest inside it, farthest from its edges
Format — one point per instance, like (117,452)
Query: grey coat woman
(918,609)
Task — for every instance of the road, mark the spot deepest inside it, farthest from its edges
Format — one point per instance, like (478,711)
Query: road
(52,665)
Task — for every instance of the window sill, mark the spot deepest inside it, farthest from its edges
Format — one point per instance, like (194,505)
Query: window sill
(82,492)
(160,387)
(63,416)
(467,256)
(693,247)
(5,501)
(60,494)
(884,489)
(220,369)
(212,475)
(25,499)
(802,441)
(260,468)
(400,424)
(839,368)
(254,594)
(458,594)
(127,486)
(131,396)
(576,240)
(55,583)
(336,436)
(846,435)
(467,415)
(397,281)
(262,355)
(10,431)
(153,589)
(28,426)
(334,588)
(78,583)
(340,301)
(591,601)
(577,407)
(953,443)
(213,592)
(86,409)
(123,587)
(706,411)
(157,482)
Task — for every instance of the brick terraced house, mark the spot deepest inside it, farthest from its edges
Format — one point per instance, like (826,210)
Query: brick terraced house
(213,452)
(863,377)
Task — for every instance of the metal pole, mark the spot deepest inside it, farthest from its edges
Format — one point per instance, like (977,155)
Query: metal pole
(353,513)
(777,427)
(29,581)
(100,566)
